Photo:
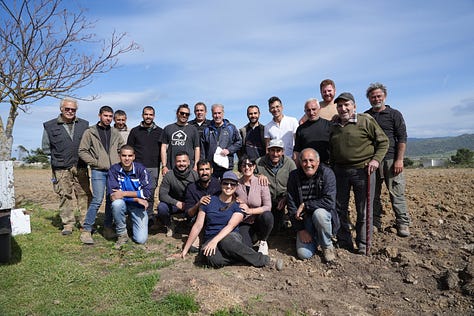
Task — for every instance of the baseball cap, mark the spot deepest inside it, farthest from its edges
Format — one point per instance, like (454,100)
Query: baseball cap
(229,175)
(347,96)
(276,143)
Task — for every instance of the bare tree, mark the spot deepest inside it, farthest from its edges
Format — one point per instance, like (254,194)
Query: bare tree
(44,53)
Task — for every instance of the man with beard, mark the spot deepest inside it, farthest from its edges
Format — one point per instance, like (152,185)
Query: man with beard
(172,190)
(391,168)
(253,141)
(199,193)
(273,170)
(99,148)
(146,141)
(179,136)
(328,111)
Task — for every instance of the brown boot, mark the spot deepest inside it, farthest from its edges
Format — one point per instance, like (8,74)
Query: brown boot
(86,238)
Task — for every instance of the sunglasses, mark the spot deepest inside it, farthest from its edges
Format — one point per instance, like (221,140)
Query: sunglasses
(73,110)
(184,113)
(246,164)
(227,183)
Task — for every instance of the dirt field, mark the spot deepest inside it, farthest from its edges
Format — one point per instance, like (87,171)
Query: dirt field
(429,273)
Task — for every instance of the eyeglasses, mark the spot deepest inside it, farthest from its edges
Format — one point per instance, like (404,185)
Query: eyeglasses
(226,184)
(184,113)
(73,110)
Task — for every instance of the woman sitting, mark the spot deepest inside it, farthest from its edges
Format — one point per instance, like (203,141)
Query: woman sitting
(222,243)
(256,202)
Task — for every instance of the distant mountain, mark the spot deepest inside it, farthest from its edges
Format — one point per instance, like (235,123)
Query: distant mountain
(438,146)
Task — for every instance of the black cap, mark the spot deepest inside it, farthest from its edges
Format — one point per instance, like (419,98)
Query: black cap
(347,96)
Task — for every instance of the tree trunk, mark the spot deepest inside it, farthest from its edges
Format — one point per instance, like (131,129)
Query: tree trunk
(5,146)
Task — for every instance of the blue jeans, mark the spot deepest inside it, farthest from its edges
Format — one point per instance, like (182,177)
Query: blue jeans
(154,175)
(138,216)
(164,213)
(319,226)
(99,185)
(357,179)
(396,188)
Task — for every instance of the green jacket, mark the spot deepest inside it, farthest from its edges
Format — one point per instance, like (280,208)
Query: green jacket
(356,143)
(277,180)
(93,152)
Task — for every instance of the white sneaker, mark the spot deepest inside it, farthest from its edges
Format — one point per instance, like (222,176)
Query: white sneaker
(263,247)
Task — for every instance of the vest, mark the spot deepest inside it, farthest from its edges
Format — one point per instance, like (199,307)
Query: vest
(64,150)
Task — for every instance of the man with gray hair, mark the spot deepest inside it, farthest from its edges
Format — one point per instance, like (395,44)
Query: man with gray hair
(220,141)
(70,178)
(358,145)
(391,169)
(314,133)
(312,206)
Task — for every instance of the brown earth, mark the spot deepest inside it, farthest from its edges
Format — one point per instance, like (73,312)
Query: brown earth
(429,273)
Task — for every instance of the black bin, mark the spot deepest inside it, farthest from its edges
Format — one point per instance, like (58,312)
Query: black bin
(5,236)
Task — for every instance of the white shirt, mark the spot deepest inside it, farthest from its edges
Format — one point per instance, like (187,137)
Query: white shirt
(285,130)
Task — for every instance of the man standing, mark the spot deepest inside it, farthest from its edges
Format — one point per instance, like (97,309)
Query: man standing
(252,134)
(200,120)
(281,126)
(314,133)
(61,138)
(120,120)
(220,141)
(327,88)
(99,149)
(391,169)
(146,141)
(130,187)
(274,169)
(172,190)
(358,145)
(312,206)
(179,136)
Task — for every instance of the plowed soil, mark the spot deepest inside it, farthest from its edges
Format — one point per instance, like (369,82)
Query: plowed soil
(429,273)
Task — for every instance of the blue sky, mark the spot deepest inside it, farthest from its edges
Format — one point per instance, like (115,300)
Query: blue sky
(243,52)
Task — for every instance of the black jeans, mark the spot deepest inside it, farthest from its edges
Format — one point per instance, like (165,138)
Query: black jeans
(262,226)
(357,179)
(231,250)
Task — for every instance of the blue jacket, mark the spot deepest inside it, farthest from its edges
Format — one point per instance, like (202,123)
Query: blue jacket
(325,188)
(227,137)
(137,180)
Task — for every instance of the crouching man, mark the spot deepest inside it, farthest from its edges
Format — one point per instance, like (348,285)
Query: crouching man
(312,206)
(130,187)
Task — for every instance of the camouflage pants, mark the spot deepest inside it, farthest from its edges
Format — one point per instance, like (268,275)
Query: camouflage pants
(72,186)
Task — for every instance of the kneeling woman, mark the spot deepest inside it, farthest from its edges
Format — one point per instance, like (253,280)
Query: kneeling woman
(222,242)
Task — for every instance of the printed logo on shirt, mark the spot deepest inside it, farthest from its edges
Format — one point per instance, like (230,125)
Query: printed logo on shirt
(178,138)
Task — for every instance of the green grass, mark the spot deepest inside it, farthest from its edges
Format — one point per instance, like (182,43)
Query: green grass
(54,275)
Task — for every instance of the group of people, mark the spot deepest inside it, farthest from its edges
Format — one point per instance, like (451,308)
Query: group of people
(294,174)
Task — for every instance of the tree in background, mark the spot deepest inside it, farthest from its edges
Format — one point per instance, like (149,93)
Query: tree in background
(463,156)
(37,155)
(44,53)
